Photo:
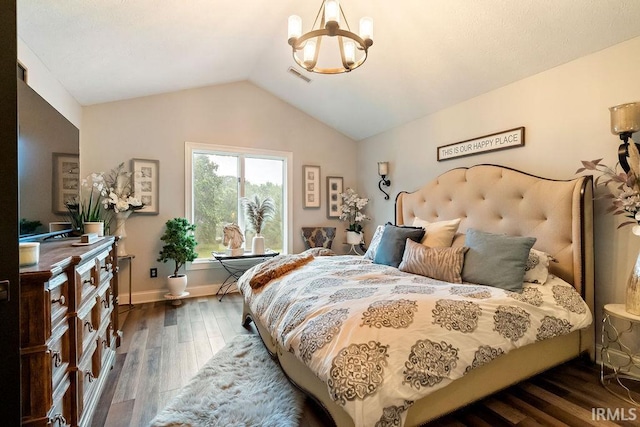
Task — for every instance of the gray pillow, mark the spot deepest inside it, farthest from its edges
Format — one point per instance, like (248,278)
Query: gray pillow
(496,259)
(393,241)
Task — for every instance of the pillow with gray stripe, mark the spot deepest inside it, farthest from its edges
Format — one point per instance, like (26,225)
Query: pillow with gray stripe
(438,263)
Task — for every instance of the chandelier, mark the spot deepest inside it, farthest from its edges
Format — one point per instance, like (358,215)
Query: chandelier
(351,48)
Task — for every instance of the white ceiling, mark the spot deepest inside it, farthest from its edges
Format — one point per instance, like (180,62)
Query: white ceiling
(427,54)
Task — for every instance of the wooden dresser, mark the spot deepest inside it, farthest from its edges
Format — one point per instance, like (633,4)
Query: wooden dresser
(69,331)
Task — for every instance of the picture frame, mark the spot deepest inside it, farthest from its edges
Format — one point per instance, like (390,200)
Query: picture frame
(146,184)
(65,181)
(311,189)
(335,185)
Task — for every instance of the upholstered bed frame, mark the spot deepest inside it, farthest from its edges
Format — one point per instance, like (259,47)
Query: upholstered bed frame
(500,200)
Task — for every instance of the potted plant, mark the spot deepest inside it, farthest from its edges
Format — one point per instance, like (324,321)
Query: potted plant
(352,206)
(257,212)
(179,245)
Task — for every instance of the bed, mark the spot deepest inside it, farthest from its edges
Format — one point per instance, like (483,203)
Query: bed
(335,323)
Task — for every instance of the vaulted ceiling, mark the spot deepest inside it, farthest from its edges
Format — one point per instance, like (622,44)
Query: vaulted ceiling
(427,54)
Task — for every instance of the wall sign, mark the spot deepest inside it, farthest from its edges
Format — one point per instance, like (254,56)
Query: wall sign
(496,141)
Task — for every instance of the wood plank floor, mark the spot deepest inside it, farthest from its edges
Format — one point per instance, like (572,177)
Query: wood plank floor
(164,346)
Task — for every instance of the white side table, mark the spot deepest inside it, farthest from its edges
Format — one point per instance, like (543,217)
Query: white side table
(618,370)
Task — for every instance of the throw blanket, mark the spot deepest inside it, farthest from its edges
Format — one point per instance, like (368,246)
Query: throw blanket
(380,338)
(276,267)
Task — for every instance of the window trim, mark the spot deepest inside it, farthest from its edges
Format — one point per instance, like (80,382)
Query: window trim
(287,217)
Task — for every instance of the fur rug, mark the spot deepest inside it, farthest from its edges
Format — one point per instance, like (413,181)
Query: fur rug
(240,386)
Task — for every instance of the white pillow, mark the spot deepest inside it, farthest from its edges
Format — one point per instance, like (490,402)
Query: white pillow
(537,267)
(438,234)
(375,241)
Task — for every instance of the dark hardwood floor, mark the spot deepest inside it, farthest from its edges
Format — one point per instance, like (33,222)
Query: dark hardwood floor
(164,346)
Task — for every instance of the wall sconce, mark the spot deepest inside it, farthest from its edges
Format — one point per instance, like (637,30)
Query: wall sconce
(625,120)
(383,171)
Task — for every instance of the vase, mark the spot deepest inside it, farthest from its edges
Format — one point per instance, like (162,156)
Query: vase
(121,218)
(257,245)
(354,238)
(95,227)
(632,297)
(177,284)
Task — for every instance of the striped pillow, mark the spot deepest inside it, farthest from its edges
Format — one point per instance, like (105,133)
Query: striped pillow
(438,263)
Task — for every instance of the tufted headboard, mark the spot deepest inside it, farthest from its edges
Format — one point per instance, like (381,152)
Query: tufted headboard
(559,214)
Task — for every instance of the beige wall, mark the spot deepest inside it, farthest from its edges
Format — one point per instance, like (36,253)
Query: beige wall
(565,113)
(239,114)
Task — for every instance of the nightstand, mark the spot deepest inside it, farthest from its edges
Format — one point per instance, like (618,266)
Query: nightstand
(619,368)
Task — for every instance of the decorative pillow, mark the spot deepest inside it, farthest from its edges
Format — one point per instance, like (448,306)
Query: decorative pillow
(438,263)
(496,259)
(437,234)
(375,241)
(537,268)
(393,241)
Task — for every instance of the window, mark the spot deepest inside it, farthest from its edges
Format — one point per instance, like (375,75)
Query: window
(218,177)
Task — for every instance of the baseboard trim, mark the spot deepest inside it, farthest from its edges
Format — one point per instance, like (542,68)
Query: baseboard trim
(158,294)
(618,358)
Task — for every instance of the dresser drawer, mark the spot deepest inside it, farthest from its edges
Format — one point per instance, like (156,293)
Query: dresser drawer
(87,279)
(104,266)
(104,349)
(87,379)
(104,303)
(60,352)
(59,297)
(60,413)
(86,327)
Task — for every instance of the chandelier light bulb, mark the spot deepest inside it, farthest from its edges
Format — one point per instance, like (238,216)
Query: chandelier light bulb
(366,28)
(332,12)
(349,52)
(295,27)
(309,52)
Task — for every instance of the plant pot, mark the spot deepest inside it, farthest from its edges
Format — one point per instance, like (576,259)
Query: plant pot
(96,227)
(257,245)
(632,297)
(354,238)
(177,284)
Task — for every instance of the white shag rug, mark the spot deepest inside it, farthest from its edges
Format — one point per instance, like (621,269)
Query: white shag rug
(240,386)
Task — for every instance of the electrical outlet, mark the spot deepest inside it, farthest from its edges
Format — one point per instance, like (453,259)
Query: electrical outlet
(153,272)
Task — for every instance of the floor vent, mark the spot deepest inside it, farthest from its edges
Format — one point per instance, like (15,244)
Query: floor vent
(299,75)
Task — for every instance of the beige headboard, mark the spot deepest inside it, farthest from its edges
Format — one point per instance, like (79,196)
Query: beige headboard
(559,214)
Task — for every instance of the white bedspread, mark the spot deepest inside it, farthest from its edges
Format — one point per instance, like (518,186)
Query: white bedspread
(381,339)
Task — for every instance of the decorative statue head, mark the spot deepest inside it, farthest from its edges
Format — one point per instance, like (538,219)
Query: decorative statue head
(233,237)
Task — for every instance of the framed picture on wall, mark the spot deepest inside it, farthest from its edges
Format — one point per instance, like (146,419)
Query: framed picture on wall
(146,184)
(311,190)
(334,200)
(66,181)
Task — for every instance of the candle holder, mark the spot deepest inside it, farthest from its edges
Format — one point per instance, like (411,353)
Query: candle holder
(383,170)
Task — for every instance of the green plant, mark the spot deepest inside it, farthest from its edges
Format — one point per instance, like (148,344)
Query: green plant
(28,227)
(179,243)
(258,211)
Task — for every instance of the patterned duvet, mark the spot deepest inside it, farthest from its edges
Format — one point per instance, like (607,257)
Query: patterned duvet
(381,339)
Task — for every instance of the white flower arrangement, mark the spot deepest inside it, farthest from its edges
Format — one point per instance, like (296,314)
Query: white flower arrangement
(352,206)
(120,197)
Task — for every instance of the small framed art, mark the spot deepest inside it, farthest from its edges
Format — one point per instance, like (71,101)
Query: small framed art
(334,200)
(146,184)
(311,182)
(66,181)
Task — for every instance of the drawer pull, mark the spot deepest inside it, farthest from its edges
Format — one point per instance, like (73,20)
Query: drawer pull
(57,359)
(106,267)
(105,343)
(89,324)
(62,300)
(90,375)
(58,419)
(105,301)
(90,280)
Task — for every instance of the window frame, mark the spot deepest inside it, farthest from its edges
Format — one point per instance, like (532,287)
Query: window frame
(287,197)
